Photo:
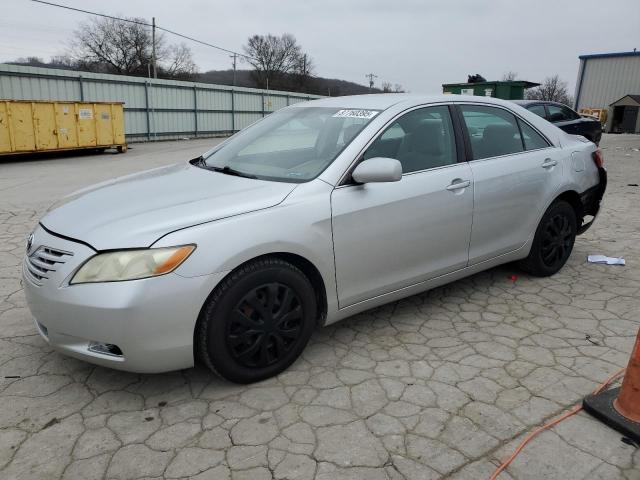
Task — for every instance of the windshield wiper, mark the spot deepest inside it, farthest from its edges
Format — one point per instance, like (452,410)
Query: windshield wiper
(231,171)
(227,170)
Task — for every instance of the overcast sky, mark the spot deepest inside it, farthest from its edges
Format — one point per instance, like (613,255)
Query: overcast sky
(417,43)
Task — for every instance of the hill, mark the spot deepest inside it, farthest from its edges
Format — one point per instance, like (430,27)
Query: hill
(315,85)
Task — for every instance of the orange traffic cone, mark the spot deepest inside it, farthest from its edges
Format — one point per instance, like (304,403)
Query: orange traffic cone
(620,407)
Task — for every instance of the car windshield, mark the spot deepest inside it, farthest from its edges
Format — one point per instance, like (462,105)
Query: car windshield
(292,145)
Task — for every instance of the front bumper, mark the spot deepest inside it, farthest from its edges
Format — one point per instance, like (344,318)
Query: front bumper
(151,320)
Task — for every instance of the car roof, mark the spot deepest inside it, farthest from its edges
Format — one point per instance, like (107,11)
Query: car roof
(383,101)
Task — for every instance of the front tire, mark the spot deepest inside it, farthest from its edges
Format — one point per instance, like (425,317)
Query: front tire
(257,321)
(553,241)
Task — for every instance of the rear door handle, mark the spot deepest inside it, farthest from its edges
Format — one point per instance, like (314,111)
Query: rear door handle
(458,184)
(548,163)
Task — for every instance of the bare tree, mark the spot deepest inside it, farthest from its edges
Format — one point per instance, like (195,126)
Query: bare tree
(397,88)
(179,63)
(64,61)
(303,71)
(274,57)
(114,45)
(510,76)
(124,47)
(35,61)
(387,87)
(552,89)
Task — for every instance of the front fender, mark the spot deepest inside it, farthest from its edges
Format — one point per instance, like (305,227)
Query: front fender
(301,225)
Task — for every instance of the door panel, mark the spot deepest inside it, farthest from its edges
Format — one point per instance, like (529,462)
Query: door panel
(391,235)
(510,192)
(66,125)
(511,185)
(86,125)
(45,120)
(104,122)
(22,126)
(117,120)
(5,134)
(629,118)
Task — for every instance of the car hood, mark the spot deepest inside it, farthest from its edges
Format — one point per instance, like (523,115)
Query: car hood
(136,210)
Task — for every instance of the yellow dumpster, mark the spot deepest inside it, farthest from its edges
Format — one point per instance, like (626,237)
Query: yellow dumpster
(39,126)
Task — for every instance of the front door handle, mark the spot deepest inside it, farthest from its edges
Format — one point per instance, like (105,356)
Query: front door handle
(458,184)
(548,163)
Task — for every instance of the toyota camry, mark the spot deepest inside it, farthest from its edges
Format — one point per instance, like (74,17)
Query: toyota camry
(313,214)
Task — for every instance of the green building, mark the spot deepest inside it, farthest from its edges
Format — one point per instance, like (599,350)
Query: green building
(507,90)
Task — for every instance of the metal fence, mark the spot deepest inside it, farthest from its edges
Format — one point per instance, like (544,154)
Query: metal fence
(154,109)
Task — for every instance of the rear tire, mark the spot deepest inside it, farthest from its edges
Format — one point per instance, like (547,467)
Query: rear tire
(257,321)
(553,241)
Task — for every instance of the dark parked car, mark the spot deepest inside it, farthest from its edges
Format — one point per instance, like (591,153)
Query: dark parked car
(565,118)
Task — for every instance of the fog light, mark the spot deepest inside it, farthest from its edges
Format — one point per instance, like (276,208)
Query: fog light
(105,349)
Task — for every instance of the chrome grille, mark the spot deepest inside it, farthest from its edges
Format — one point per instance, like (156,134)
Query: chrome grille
(44,261)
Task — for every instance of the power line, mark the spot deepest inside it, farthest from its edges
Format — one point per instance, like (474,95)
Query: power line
(91,13)
(138,22)
(200,41)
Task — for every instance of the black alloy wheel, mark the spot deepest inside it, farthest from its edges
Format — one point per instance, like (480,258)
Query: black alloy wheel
(265,325)
(557,240)
(257,321)
(553,241)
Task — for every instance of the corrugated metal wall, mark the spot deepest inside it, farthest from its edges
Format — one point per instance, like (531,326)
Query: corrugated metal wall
(602,81)
(154,109)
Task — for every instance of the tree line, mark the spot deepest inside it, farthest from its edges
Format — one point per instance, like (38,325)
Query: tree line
(125,47)
(552,89)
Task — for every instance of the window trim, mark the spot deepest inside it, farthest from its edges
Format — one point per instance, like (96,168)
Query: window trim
(524,145)
(467,138)
(345,178)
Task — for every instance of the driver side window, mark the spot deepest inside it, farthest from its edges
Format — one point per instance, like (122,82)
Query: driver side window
(420,139)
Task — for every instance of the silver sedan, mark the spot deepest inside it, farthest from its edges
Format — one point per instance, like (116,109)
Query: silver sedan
(313,214)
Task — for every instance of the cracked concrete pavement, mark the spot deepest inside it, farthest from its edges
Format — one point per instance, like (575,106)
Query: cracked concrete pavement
(440,385)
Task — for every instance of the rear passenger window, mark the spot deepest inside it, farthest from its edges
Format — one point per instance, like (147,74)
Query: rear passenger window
(420,139)
(532,139)
(492,131)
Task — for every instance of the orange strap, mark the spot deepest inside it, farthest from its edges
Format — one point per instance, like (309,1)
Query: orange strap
(547,426)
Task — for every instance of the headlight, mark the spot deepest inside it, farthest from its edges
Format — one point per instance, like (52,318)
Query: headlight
(132,264)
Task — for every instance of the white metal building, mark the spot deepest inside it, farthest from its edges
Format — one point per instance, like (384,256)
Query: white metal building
(606,78)
(154,109)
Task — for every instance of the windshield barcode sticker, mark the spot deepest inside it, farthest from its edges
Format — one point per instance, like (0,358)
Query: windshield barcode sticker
(367,114)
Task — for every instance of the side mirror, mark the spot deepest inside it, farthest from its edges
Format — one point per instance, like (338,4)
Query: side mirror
(378,169)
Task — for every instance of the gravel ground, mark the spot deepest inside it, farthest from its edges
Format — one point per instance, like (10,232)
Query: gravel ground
(440,385)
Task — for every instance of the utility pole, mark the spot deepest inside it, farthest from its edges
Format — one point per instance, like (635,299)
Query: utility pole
(234,67)
(371,76)
(153,47)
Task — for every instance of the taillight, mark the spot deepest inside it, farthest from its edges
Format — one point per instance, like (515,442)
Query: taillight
(598,158)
